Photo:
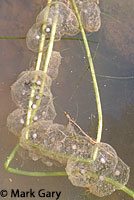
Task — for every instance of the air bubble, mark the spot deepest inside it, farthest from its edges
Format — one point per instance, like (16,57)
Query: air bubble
(117,173)
(101,178)
(48,30)
(102,160)
(74,147)
(34,106)
(33,38)
(22,121)
(35,118)
(34,135)
(82,171)
(38,82)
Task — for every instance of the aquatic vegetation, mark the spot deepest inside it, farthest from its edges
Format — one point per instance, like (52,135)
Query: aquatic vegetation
(88,163)
(89,14)
(67,25)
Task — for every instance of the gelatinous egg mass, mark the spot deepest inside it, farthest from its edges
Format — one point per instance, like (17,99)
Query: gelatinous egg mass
(90,15)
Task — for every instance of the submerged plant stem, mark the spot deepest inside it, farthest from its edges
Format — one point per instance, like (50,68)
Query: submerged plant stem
(28,173)
(62,173)
(38,64)
(96,89)
(47,59)
(63,38)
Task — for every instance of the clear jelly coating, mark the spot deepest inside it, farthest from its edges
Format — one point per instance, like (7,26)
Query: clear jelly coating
(82,2)
(67,2)
(102,188)
(81,176)
(106,159)
(16,121)
(21,89)
(33,38)
(90,15)
(67,24)
(67,21)
(57,141)
(53,67)
(43,134)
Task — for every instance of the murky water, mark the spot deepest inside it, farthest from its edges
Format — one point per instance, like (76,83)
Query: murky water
(115,57)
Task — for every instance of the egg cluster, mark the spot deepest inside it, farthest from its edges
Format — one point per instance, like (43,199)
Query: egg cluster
(67,22)
(94,175)
(88,164)
(21,92)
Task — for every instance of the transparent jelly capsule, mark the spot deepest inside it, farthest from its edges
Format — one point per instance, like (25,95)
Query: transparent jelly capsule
(67,21)
(101,187)
(106,159)
(80,174)
(34,155)
(54,64)
(80,3)
(47,135)
(16,121)
(86,174)
(21,89)
(90,16)
(67,2)
(78,171)
(46,108)
(121,173)
(33,38)
(105,162)
(56,141)
(47,111)
(23,153)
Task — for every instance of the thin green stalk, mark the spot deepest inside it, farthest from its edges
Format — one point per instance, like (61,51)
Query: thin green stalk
(97,95)
(63,173)
(63,38)
(27,173)
(41,174)
(51,42)
(38,63)
(10,158)
(120,186)
(43,37)
(13,37)
(47,59)
(116,77)
(99,109)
